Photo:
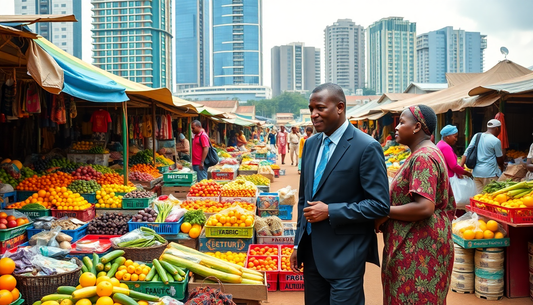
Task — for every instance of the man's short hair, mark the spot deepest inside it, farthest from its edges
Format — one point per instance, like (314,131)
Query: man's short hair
(196,123)
(332,88)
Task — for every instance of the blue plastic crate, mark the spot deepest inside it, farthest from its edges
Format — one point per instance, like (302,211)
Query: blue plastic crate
(23,195)
(162,228)
(91,197)
(285,212)
(75,234)
(7,199)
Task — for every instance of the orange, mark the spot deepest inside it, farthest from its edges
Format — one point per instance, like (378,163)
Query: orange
(87,279)
(142,303)
(105,301)
(84,302)
(66,302)
(131,269)
(139,270)
(115,282)
(122,285)
(501,198)
(104,289)
(41,193)
(8,282)
(498,235)
(103,278)
(492,225)
(142,277)
(134,277)
(126,277)
(479,234)
(3,215)
(194,233)
(528,201)
(185,227)
(21,221)
(15,293)
(469,234)
(488,234)
(7,266)
(6,297)
(128,262)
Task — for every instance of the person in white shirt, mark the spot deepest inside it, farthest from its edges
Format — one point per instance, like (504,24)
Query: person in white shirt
(294,141)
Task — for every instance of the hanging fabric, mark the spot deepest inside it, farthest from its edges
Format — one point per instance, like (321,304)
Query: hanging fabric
(73,112)
(157,127)
(170,135)
(58,109)
(147,126)
(131,130)
(33,100)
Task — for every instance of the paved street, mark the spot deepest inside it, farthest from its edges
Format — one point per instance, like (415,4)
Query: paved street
(373,273)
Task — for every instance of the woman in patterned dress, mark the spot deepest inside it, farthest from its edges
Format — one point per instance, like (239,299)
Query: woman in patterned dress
(418,252)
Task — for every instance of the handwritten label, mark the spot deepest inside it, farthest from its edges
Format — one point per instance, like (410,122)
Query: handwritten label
(292,286)
(215,244)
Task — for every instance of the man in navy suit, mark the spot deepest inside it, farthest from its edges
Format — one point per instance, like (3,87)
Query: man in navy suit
(343,189)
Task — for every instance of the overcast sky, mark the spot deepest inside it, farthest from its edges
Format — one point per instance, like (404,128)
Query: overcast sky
(506,23)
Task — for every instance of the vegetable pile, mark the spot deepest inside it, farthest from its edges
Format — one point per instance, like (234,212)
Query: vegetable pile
(139,194)
(146,238)
(84,187)
(109,224)
(146,215)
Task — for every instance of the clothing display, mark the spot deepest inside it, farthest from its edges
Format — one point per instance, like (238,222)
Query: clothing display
(100,119)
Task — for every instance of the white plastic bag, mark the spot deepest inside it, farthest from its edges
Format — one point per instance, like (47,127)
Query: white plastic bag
(463,190)
(287,196)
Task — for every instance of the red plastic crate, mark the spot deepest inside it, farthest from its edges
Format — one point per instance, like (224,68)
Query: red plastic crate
(83,215)
(512,215)
(223,175)
(291,286)
(289,276)
(272,285)
(258,247)
(13,243)
(105,243)
(271,275)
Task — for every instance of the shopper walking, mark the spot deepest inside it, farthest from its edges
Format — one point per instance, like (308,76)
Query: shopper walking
(294,142)
(418,252)
(200,148)
(489,155)
(309,132)
(282,143)
(272,140)
(343,189)
(449,136)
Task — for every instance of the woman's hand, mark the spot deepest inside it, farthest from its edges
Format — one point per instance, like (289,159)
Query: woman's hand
(378,222)
(469,175)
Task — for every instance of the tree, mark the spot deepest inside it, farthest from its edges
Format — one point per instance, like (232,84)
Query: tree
(287,102)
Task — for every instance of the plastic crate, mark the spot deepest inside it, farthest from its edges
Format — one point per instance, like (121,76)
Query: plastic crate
(263,188)
(276,173)
(260,156)
(481,243)
(247,172)
(23,195)
(289,231)
(13,232)
(176,290)
(270,275)
(75,234)
(35,213)
(291,286)
(272,285)
(162,228)
(285,212)
(257,247)
(105,245)
(83,215)
(136,203)
(496,212)
(223,175)
(7,198)
(180,178)
(12,243)
(163,169)
(229,232)
(91,197)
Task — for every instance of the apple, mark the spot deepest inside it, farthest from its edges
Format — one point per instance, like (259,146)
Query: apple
(3,221)
(2,226)
(11,224)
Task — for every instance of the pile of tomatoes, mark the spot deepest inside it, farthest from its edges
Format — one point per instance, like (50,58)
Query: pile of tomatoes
(10,221)
(205,188)
(264,250)
(263,263)
(209,206)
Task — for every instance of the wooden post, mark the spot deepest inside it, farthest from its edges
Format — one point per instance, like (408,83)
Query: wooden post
(468,119)
(153,132)
(125,140)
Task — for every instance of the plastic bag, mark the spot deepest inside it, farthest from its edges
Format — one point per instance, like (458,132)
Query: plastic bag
(287,196)
(275,224)
(51,266)
(175,214)
(133,235)
(463,190)
(261,227)
(45,238)
(471,226)
(166,300)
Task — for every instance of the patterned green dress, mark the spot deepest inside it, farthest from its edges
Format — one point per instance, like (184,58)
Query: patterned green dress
(418,256)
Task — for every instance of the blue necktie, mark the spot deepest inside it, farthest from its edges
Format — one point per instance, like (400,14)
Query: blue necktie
(319,171)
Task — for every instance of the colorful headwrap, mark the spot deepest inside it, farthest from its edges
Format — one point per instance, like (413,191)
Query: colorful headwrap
(417,113)
(448,130)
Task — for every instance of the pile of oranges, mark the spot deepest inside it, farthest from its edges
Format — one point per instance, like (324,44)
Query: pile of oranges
(8,291)
(35,183)
(231,219)
(265,251)
(145,168)
(113,178)
(209,206)
(131,271)
(260,263)
(60,197)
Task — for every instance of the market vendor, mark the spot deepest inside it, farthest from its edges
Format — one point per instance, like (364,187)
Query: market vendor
(529,164)
(241,141)
(232,140)
(449,138)
(183,148)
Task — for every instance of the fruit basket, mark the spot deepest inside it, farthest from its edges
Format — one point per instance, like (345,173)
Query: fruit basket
(289,280)
(34,213)
(136,203)
(496,212)
(83,215)
(264,250)
(177,178)
(75,234)
(162,228)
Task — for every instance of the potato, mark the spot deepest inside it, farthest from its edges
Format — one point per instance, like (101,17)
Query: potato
(61,237)
(65,245)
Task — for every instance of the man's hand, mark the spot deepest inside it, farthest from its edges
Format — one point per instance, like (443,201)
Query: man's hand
(294,262)
(201,166)
(469,174)
(317,211)
(378,222)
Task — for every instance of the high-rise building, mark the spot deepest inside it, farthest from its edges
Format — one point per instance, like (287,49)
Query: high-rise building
(345,54)
(391,44)
(449,51)
(219,43)
(133,39)
(66,35)
(294,68)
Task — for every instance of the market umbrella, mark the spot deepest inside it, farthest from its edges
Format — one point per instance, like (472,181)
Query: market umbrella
(503,134)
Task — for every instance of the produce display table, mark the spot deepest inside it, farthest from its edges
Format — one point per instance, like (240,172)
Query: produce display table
(100,159)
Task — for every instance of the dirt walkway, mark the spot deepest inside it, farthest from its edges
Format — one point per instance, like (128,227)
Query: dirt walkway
(373,292)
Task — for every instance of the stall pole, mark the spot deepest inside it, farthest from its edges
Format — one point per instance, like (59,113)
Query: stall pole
(467,126)
(125,141)
(502,106)
(189,131)
(153,133)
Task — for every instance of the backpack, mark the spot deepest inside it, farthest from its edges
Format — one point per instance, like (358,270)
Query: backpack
(471,159)
(212,156)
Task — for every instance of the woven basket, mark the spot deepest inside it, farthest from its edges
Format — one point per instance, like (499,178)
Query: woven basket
(33,288)
(143,254)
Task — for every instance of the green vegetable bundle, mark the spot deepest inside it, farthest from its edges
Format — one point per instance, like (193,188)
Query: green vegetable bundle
(145,240)
(195,217)
(495,186)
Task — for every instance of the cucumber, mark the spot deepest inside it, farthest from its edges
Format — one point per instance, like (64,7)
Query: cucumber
(66,289)
(168,267)
(150,274)
(178,278)
(84,268)
(120,261)
(107,266)
(123,299)
(100,267)
(96,261)
(111,256)
(113,270)
(180,271)
(56,297)
(162,273)
(143,296)
(89,263)
(155,278)
(37,303)
(84,293)
(170,278)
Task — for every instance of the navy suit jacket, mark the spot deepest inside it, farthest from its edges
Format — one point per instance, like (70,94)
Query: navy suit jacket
(355,187)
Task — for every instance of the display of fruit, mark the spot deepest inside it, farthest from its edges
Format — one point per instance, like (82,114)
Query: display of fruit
(514,195)
(239,188)
(146,215)
(132,271)
(107,199)
(260,263)
(231,218)
(140,194)
(471,229)
(264,251)
(112,178)
(8,290)
(256,179)
(142,157)
(10,221)
(144,168)
(238,258)
(86,173)
(209,206)
(116,188)
(84,187)
(139,176)
(205,188)
(109,224)
(96,150)
(102,169)
(8,179)
(83,145)
(58,179)
(286,250)
(60,197)
(516,154)
(163,160)
(245,167)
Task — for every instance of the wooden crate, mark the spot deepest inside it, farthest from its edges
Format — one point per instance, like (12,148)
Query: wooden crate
(179,192)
